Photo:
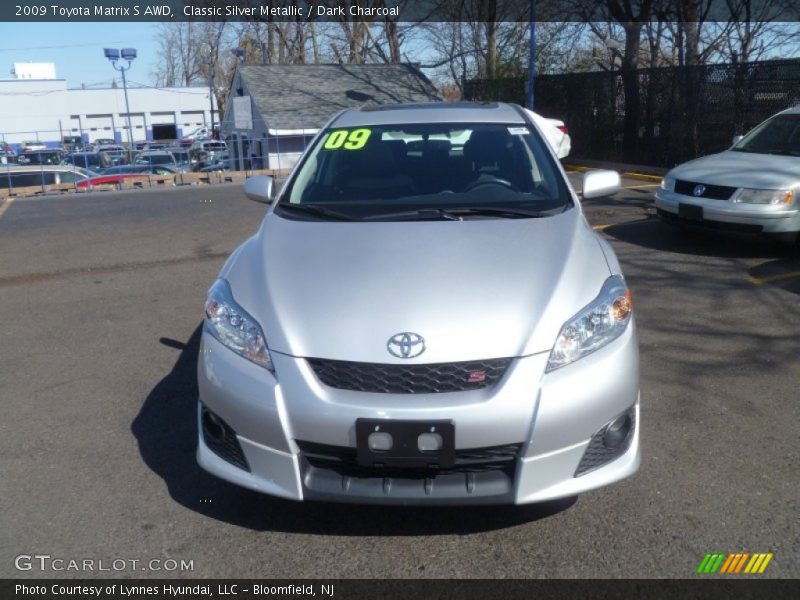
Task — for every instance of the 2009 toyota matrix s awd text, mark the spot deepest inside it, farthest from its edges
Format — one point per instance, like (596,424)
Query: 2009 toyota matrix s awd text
(423,317)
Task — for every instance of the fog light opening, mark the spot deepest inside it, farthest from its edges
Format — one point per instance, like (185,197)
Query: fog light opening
(617,431)
(213,427)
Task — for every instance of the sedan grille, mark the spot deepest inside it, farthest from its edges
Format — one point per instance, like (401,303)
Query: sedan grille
(712,192)
(409,379)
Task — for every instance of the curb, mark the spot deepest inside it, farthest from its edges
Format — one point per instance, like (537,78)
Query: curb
(628,174)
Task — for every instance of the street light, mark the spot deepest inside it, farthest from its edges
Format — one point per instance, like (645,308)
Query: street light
(127,54)
(210,54)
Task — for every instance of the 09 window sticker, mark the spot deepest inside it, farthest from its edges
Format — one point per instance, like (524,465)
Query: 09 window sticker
(342,139)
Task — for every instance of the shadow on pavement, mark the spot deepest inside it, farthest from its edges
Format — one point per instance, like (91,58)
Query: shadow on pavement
(166,432)
(652,233)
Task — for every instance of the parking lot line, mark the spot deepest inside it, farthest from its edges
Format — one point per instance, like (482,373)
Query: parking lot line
(641,185)
(5,205)
(771,278)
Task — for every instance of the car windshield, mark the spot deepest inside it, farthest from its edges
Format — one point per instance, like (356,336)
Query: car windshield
(428,171)
(778,135)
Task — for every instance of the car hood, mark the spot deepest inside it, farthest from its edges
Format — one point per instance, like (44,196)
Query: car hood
(742,169)
(473,289)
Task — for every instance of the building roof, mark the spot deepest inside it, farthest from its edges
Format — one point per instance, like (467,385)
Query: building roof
(306,96)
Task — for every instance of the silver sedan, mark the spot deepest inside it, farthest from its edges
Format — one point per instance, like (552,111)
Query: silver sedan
(424,317)
(750,188)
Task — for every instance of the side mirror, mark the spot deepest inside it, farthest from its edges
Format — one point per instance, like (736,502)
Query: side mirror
(597,184)
(259,188)
(737,139)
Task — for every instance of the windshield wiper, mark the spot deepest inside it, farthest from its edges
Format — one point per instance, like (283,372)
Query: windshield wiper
(317,211)
(506,211)
(458,213)
(420,213)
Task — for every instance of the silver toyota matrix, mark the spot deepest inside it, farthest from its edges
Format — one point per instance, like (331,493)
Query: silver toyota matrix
(423,317)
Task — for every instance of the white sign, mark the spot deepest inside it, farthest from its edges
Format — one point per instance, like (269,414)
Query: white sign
(242,113)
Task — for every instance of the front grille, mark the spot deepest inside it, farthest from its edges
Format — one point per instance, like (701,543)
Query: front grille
(409,379)
(343,461)
(712,192)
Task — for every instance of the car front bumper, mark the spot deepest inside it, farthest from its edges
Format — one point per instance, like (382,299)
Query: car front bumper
(752,218)
(552,421)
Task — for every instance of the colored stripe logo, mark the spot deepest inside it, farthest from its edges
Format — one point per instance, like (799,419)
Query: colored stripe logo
(734,563)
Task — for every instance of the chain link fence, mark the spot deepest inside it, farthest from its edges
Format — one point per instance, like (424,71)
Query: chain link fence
(684,112)
(48,160)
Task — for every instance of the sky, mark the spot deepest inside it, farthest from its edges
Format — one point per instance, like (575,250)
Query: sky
(77,49)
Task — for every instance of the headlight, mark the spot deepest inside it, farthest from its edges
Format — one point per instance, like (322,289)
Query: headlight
(234,327)
(600,322)
(668,184)
(764,196)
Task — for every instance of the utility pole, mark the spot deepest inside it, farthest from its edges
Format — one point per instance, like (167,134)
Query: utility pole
(532,56)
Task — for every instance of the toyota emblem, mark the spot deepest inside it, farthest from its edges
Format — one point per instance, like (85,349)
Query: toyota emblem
(406,345)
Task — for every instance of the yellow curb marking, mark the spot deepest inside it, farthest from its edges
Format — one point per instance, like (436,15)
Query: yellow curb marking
(5,205)
(771,278)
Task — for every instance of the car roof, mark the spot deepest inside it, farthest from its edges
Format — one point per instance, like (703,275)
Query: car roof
(431,112)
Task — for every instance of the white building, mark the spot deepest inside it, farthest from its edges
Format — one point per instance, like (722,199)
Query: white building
(47,111)
(32,70)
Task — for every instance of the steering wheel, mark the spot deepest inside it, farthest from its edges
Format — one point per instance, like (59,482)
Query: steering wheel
(480,183)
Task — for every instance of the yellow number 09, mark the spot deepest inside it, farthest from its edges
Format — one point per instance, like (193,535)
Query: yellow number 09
(354,140)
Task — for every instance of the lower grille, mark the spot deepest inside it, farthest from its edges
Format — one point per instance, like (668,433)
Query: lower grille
(476,460)
(409,379)
(712,192)
(221,439)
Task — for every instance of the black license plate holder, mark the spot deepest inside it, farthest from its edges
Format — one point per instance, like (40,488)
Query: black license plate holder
(405,452)
(690,212)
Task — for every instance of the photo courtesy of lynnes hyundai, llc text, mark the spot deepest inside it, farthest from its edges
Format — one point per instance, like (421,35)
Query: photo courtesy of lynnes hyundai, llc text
(423,317)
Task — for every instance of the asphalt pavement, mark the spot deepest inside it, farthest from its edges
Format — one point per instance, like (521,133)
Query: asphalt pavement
(101,303)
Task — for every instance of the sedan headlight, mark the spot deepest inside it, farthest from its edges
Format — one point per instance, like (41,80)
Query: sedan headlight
(600,322)
(668,184)
(747,196)
(234,327)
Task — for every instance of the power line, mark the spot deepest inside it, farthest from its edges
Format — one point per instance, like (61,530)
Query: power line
(95,44)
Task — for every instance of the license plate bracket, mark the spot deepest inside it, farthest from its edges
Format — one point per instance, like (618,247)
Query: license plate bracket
(405,451)
(690,212)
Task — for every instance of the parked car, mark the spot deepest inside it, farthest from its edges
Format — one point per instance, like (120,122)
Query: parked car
(139,169)
(201,133)
(114,155)
(32,145)
(439,326)
(221,162)
(155,157)
(7,150)
(105,142)
(555,132)
(40,157)
(118,179)
(32,176)
(181,156)
(205,153)
(753,187)
(72,143)
(88,160)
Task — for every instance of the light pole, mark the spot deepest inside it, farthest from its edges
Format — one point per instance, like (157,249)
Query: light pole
(128,54)
(210,53)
